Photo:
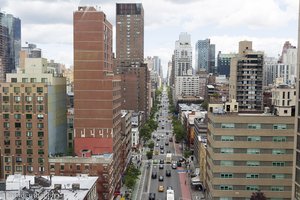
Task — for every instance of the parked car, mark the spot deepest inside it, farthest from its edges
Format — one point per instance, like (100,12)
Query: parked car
(152,196)
(161,166)
(161,161)
(161,178)
(161,188)
(168,173)
(154,175)
(174,166)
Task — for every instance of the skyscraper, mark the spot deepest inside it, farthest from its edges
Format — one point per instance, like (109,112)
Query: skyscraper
(223,63)
(205,56)
(129,34)
(246,76)
(183,55)
(10,39)
(96,90)
(296,169)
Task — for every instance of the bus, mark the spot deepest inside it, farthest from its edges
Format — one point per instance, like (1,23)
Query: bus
(169,158)
(170,194)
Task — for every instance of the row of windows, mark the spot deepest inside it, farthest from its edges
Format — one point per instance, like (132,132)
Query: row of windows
(28,108)
(251,163)
(27,89)
(273,176)
(28,133)
(28,142)
(254,138)
(251,187)
(27,80)
(20,168)
(19,151)
(27,98)
(252,151)
(255,126)
(19,116)
(19,159)
(19,125)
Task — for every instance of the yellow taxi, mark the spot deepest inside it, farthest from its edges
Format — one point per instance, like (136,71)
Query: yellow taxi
(161,188)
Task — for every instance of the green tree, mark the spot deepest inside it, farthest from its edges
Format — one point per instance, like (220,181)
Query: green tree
(204,105)
(187,153)
(258,196)
(151,145)
(131,175)
(149,154)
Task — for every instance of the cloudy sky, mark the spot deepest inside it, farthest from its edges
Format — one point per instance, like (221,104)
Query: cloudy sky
(268,23)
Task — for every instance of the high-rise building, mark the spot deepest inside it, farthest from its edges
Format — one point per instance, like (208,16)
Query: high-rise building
(129,34)
(246,77)
(205,56)
(33,110)
(223,63)
(249,152)
(10,43)
(296,168)
(97,95)
(183,55)
(31,51)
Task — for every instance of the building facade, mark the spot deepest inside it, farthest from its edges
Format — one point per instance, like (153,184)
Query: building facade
(247,153)
(129,34)
(223,63)
(97,114)
(10,44)
(205,56)
(246,77)
(33,108)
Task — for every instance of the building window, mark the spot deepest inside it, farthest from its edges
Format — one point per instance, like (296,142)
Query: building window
(254,126)
(28,107)
(39,89)
(278,151)
(225,125)
(279,139)
(277,176)
(278,164)
(7,168)
(29,133)
(18,159)
(29,151)
(252,176)
(33,80)
(227,150)
(41,151)
(226,163)
(7,151)
(41,169)
(17,108)
(28,98)
(40,143)
(25,80)
(17,116)
(62,167)
(252,187)
(279,126)
(18,142)
(44,80)
(17,99)
(6,142)
(28,125)
(18,133)
(227,138)
(5,116)
(277,188)
(29,160)
(253,163)
(40,134)
(18,151)
(6,124)
(28,89)
(5,98)
(40,125)
(5,108)
(6,133)
(29,142)
(253,151)
(7,159)
(40,99)
(226,187)
(16,89)
(253,138)
(41,160)
(5,90)
(40,108)
(29,168)
(225,175)
(28,116)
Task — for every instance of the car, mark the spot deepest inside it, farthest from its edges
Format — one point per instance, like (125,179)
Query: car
(167,133)
(161,166)
(162,127)
(161,178)
(154,175)
(170,139)
(169,188)
(181,159)
(157,145)
(179,164)
(161,147)
(168,173)
(168,151)
(161,188)
(157,139)
(155,161)
(161,161)
(152,196)
(167,143)
(174,166)
(162,151)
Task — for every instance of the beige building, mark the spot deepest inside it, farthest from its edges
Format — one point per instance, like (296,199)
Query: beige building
(247,153)
(246,76)
(296,169)
(284,100)
(33,109)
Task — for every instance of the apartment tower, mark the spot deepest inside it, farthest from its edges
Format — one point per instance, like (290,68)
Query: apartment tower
(129,34)
(96,90)
(296,169)
(246,78)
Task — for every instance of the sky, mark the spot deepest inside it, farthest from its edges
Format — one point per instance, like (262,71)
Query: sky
(268,23)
